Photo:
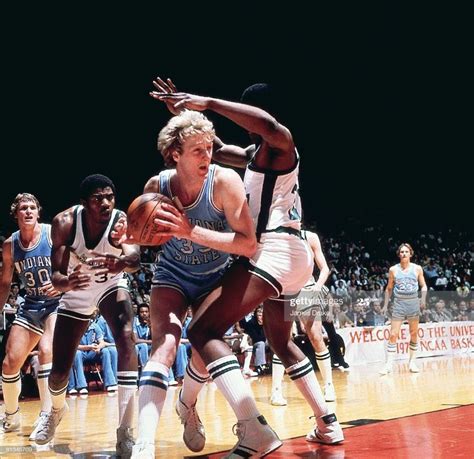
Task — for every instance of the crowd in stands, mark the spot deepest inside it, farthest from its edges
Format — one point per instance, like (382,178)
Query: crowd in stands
(359,273)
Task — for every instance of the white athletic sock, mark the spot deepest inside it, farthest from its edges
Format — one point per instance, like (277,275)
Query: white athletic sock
(127,386)
(58,397)
(226,373)
(11,385)
(278,371)
(413,350)
(192,384)
(323,360)
(151,398)
(303,375)
(42,381)
(247,358)
(391,351)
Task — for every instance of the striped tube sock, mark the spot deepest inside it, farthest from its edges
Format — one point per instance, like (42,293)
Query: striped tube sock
(226,373)
(303,375)
(323,360)
(413,350)
(391,351)
(127,385)
(192,384)
(58,397)
(278,371)
(11,385)
(45,396)
(151,398)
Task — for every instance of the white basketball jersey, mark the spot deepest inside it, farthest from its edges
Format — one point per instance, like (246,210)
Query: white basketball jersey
(273,197)
(79,251)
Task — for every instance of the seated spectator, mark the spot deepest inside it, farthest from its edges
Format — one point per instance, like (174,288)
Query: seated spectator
(254,328)
(90,351)
(109,346)
(441,314)
(238,341)
(142,332)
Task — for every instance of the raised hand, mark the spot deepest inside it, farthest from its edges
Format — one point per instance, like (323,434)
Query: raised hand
(119,232)
(167,87)
(182,100)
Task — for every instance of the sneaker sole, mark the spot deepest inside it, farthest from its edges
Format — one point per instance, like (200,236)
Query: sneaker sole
(317,440)
(275,445)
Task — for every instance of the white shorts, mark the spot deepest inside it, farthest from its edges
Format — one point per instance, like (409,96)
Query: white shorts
(285,261)
(80,304)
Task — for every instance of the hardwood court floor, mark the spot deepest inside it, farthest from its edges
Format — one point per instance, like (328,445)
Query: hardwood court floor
(364,397)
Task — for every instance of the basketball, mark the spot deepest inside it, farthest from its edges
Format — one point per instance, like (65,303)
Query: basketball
(140,215)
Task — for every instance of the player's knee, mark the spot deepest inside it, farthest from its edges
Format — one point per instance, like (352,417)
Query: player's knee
(11,365)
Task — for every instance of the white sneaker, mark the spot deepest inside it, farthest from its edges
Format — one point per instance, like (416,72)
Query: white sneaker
(125,442)
(11,422)
(256,439)
(249,373)
(143,450)
(413,368)
(38,425)
(277,399)
(194,436)
(386,369)
(328,431)
(48,429)
(329,392)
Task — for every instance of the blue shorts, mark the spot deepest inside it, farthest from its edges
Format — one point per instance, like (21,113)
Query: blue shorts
(408,308)
(34,319)
(190,286)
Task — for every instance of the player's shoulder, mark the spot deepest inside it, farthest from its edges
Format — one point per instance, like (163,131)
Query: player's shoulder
(225,174)
(65,218)
(152,185)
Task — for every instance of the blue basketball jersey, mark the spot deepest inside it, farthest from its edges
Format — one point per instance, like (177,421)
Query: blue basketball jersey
(185,257)
(406,283)
(33,265)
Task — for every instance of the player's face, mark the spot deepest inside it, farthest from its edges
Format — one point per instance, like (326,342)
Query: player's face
(27,213)
(196,154)
(100,204)
(404,253)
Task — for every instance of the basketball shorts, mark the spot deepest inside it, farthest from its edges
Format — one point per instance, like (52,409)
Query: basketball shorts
(34,320)
(192,287)
(284,261)
(80,304)
(408,308)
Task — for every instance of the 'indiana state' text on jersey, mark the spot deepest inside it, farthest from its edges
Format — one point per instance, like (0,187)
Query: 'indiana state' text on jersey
(406,283)
(188,257)
(79,251)
(273,197)
(33,265)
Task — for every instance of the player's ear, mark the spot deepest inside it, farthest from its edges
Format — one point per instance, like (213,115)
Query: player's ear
(175,155)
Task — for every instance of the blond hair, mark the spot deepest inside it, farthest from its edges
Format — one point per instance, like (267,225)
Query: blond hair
(178,129)
(22,197)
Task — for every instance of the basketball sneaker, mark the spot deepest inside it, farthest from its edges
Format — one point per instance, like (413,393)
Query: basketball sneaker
(386,369)
(194,436)
(125,442)
(11,422)
(38,425)
(329,392)
(256,439)
(327,431)
(413,367)
(143,450)
(48,429)
(277,399)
